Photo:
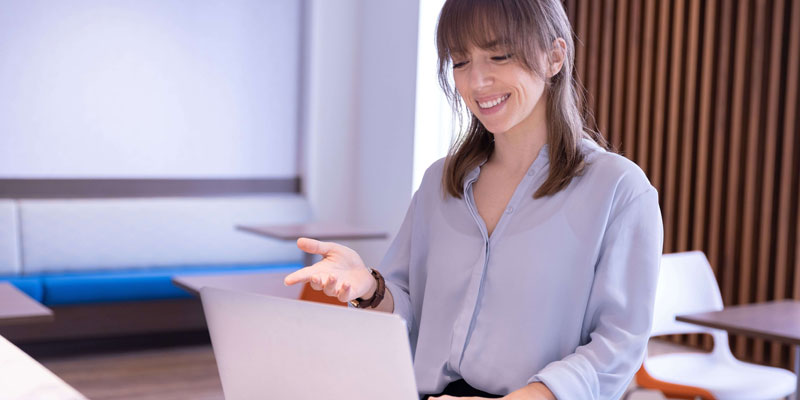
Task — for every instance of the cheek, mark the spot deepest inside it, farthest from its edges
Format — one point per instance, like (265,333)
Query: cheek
(460,87)
(532,90)
(463,91)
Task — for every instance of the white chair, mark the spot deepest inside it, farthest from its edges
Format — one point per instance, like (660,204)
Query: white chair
(686,285)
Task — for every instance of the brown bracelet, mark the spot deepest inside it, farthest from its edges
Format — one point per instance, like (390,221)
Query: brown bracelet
(377,297)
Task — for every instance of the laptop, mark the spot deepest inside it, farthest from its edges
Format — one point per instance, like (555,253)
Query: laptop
(276,348)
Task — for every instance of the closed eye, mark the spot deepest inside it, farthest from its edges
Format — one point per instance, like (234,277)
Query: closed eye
(459,64)
(502,58)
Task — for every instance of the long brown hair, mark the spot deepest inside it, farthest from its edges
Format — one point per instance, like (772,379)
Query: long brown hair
(527,29)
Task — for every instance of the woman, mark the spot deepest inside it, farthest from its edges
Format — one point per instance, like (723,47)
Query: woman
(527,261)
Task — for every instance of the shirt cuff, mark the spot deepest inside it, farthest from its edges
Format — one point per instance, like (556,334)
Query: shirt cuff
(402,303)
(570,378)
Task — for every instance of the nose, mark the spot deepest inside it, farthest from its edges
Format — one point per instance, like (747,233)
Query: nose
(480,74)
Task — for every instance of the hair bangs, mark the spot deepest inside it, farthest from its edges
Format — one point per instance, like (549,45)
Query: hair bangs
(490,25)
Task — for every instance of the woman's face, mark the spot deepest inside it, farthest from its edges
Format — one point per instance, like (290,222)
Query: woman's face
(498,89)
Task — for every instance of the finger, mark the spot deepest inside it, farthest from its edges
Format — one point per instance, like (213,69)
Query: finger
(301,275)
(337,285)
(314,246)
(330,286)
(314,283)
(318,281)
(343,293)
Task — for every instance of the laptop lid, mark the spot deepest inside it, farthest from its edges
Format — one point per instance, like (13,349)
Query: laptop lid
(274,348)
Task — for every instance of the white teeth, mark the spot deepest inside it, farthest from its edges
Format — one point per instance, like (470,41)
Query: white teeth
(490,104)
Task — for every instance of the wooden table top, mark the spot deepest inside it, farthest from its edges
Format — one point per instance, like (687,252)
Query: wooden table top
(779,320)
(17,307)
(270,283)
(22,377)
(314,230)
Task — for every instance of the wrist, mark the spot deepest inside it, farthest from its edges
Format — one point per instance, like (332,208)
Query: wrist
(373,297)
(542,391)
(533,391)
(373,286)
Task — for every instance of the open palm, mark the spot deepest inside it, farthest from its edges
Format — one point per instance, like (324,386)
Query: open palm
(341,273)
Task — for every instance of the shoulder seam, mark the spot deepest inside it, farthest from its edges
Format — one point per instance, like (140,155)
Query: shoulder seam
(631,201)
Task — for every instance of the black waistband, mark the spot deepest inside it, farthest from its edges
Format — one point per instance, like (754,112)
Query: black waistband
(462,388)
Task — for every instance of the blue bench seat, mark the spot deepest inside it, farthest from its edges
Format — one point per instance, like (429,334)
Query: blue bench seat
(123,285)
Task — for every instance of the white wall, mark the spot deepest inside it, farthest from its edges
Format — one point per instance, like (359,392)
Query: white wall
(149,88)
(330,107)
(434,119)
(358,74)
(360,113)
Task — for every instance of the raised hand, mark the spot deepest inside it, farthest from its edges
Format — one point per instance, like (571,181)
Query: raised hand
(341,273)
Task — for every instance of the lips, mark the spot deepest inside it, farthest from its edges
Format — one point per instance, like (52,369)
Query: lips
(493,102)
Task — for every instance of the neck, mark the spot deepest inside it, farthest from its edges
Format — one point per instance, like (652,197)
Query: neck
(516,149)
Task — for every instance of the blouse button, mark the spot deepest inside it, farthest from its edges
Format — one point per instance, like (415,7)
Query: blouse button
(530,173)
(510,210)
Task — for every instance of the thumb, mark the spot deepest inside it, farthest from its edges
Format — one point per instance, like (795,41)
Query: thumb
(314,246)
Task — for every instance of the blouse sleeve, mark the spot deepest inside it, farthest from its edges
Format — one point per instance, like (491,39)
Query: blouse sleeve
(395,267)
(619,310)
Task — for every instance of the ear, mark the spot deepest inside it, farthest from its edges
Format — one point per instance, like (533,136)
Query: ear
(558,54)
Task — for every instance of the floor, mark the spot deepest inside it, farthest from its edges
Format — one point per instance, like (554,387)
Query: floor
(187,372)
(174,372)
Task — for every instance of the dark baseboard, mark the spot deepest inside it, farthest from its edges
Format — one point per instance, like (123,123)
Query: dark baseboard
(118,344)
(111,320)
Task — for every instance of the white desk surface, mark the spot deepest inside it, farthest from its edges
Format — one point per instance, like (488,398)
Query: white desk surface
(23,378)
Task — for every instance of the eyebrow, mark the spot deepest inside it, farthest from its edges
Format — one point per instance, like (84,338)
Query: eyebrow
(493,45)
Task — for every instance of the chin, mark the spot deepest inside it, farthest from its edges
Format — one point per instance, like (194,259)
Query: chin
(496,130)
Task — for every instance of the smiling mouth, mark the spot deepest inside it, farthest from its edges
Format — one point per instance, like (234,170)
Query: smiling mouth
(493,103)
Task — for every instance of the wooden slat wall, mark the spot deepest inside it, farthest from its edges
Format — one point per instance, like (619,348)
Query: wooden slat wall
(703,96)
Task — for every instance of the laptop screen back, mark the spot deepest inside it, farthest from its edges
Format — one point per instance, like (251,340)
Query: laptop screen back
(274,348)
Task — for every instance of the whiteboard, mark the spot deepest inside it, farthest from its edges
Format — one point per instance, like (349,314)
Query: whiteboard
(149,88)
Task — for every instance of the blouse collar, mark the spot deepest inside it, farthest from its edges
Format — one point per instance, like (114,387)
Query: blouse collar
(542,160)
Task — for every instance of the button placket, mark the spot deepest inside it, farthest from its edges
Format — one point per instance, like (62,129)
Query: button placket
(463,322)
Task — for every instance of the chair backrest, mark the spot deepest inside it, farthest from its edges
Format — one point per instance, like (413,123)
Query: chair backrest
(686,285)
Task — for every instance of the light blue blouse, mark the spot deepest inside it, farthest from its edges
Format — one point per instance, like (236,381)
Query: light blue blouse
(562,292)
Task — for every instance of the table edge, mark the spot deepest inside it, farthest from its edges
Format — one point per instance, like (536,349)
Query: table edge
(735,330)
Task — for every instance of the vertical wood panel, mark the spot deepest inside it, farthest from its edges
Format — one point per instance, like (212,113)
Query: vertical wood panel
(571,6)
(673,123)
(580,46)
(593,56)
(703,95)
(720,137)
(733,212)
(659,105)
(751,134)
(689,113)
(685,157)
(619,70)
(789,163)
(704,125)
(792,127)
(628,119)
(702,180)
(783,270)
(770,134)
(606,55)
(644,128)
